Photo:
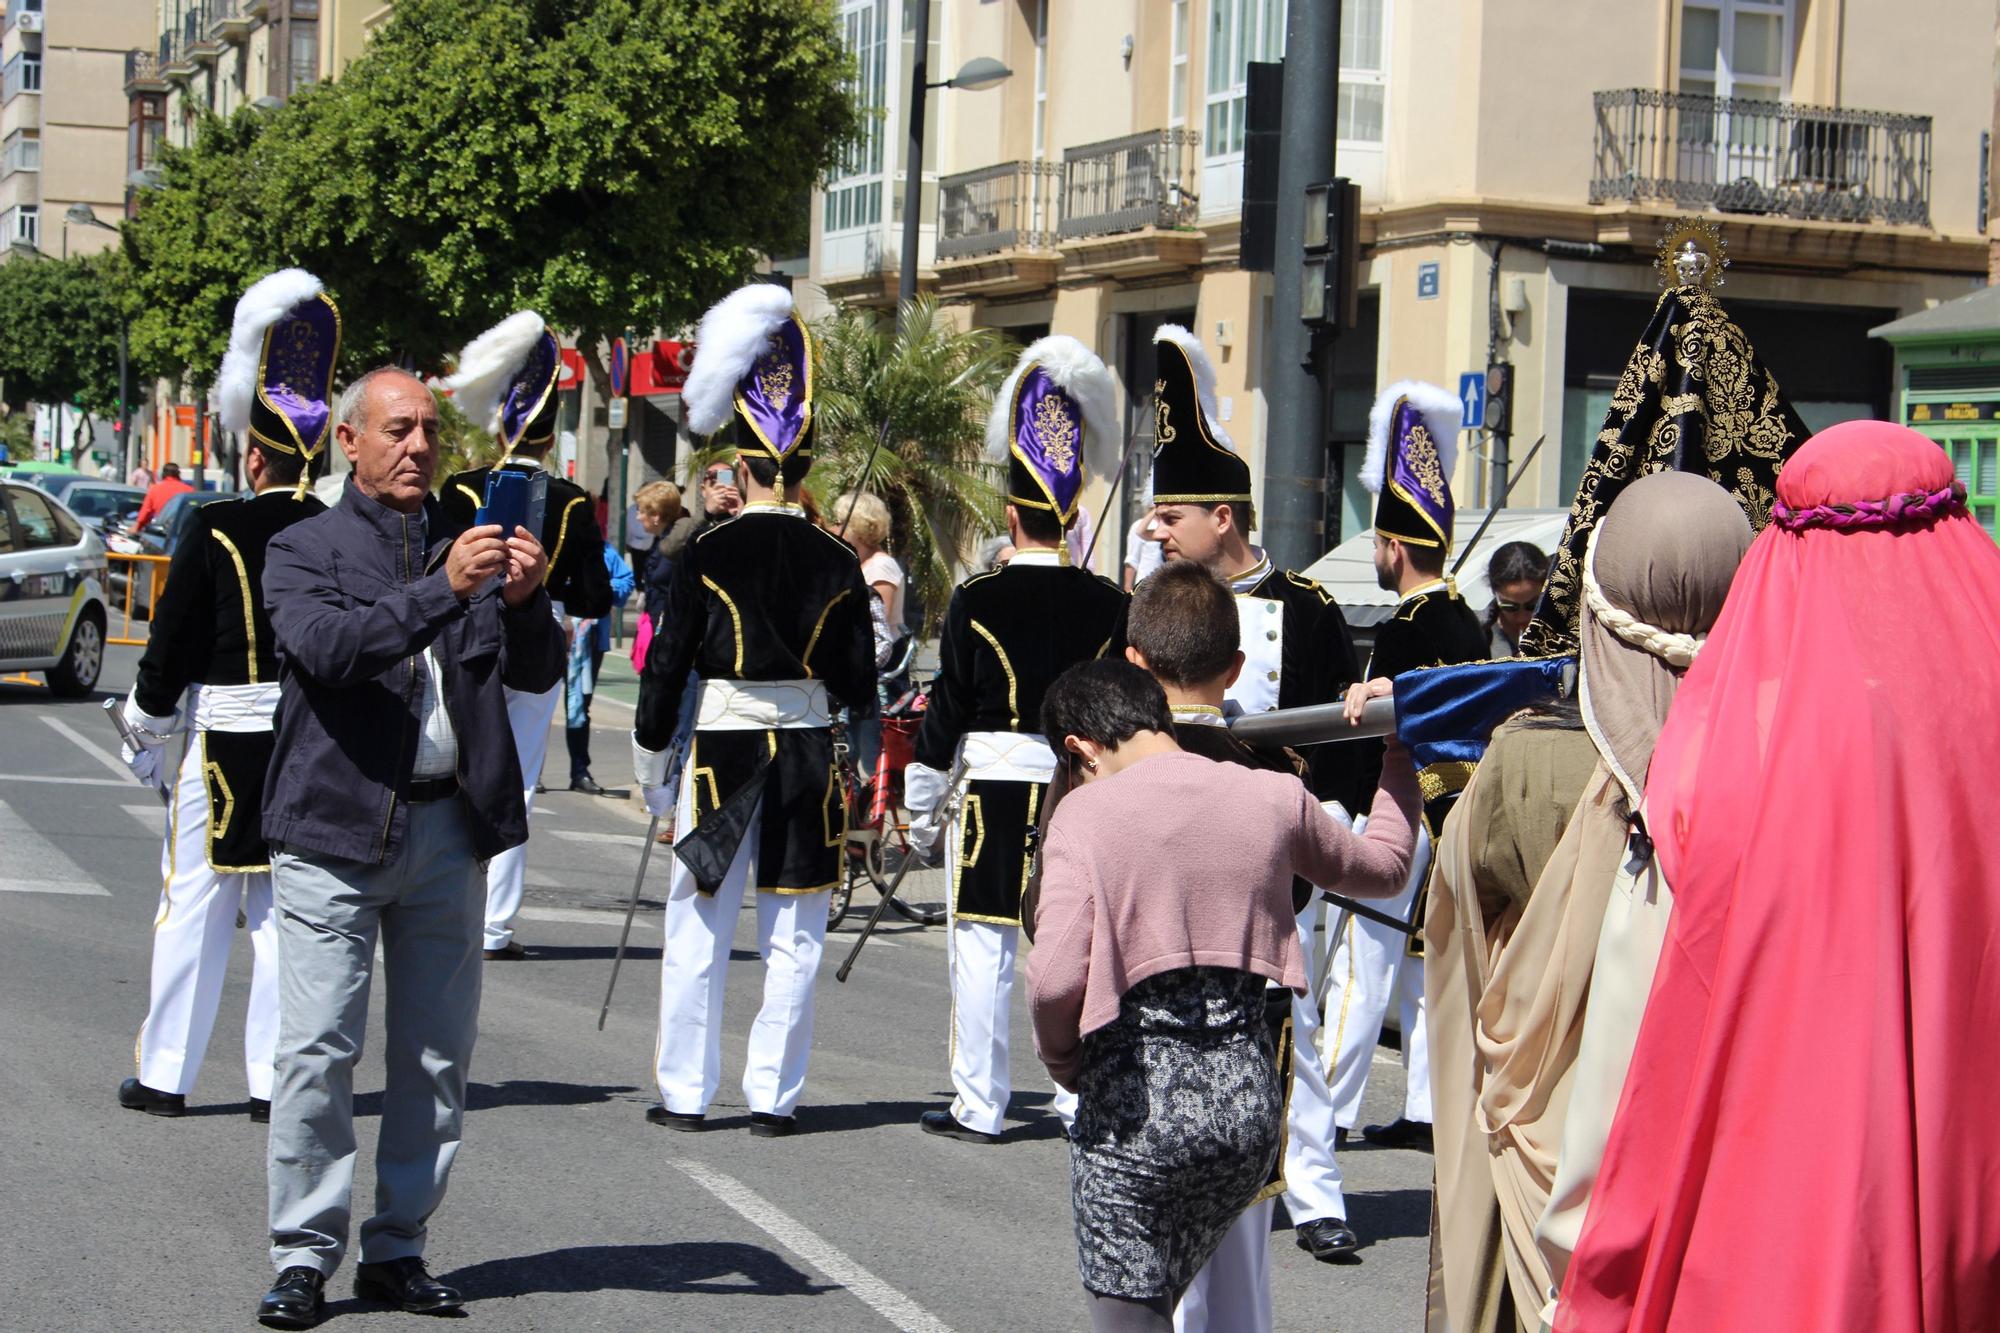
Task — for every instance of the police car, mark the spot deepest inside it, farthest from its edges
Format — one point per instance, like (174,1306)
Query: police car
(52,580)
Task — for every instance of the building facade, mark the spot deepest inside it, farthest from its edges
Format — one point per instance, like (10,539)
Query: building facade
(1518,163)
(62,121)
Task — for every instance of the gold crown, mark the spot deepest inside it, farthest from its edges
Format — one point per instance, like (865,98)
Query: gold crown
(1692,254)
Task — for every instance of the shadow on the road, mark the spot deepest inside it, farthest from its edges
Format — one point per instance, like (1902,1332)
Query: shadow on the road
(1378,1215)
(516,1092)
(694,1267)
(847,1117)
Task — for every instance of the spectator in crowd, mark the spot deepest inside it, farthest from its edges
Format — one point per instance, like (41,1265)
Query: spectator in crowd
(1147,986)
(1515,573)
(638,537)
(865,520)
(995,552)
(1143,552)
(140,476)
(166,488)
(667,527)
(721,494)
(394,779)
(590,640)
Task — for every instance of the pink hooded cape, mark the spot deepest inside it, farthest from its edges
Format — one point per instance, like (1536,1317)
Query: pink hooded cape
(1809,1138)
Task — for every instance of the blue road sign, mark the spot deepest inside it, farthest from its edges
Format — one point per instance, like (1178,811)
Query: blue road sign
(1427,282)
(1472,400)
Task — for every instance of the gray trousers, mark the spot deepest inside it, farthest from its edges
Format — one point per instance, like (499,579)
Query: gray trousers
(428,908)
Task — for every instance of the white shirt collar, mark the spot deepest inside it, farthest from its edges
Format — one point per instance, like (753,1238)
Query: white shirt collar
(1199,715)
(1424,589)
(1040,556)
(1254,575)
(772,507)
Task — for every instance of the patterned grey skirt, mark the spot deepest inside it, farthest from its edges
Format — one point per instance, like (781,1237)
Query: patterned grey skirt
(1179,1120)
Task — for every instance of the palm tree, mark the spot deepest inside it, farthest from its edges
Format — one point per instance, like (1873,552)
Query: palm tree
(923,392)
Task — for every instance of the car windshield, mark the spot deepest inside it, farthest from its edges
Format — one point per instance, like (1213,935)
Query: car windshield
(104,501)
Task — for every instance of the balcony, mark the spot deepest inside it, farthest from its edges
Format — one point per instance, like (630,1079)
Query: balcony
(1774,159)
(142,73)
(996,229)
(1129,205)
(175,62)
(231,20)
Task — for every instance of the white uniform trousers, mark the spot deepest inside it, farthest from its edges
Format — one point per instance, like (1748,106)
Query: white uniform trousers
(1312,1177)
(1372,969)
(982,992)
(530,716)
(191,939)
(791,935)
(1232,1292)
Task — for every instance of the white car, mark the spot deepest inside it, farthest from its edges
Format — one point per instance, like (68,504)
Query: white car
(52,580)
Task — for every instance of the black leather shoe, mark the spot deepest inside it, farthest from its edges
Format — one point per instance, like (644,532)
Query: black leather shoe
(1327,1238)
(136,1096)
(945,1125)
(587,785)
(767,1126)
(686,1121)
(1412,1134)
(260,1111)
(507,953)
(1340,1137)
(294,1300)
(405,1283)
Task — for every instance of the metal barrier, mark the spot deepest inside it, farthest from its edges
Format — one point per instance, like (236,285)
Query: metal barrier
(156,575)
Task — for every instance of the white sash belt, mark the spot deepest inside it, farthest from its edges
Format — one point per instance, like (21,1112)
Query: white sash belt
(762,705)
(232,707)
(1008,756)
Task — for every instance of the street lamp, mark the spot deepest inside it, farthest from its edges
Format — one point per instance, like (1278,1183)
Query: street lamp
(976,74)
(83,215)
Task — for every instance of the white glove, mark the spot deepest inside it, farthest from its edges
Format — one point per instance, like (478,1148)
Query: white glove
(924,791)
(659,800)
(649,768)
(147,760)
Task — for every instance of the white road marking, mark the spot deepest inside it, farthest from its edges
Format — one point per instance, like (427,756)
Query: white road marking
(149,815)
(127,781)
(91,748)
(21,847)
(577,916)
(872,1291)
(614,839)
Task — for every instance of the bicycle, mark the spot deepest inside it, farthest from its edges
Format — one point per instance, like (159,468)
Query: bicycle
(876,838)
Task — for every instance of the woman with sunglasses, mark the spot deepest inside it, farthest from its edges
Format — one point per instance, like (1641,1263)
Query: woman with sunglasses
(1515,573)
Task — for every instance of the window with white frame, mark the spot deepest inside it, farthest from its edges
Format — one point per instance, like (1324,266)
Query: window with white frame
(21,74)
(21,151)
(1737,48)
(854,187)
(1239,31)
(21,225)
(1364,70)
(1177,70)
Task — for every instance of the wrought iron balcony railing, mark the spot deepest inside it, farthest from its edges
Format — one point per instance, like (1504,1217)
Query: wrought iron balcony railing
(1141,180)
(1745,156)
(142,72)
(1010,206)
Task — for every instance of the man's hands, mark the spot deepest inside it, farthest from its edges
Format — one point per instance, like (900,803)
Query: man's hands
(147,758)
(480,554)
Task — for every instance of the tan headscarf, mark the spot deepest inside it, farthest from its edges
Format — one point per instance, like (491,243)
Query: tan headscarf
(1659,567)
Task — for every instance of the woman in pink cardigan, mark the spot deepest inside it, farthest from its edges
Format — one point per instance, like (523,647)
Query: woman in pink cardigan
(1166,905)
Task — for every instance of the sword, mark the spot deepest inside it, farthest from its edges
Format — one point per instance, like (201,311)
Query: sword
(113,708)
(955,795)
(631,909)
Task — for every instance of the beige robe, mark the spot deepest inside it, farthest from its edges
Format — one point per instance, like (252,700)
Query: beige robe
(1517,896)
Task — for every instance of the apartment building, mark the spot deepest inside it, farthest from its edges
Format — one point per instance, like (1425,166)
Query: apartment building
(62,122)
(1518,163)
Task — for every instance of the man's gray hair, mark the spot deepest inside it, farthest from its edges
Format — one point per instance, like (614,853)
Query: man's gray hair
(354,398)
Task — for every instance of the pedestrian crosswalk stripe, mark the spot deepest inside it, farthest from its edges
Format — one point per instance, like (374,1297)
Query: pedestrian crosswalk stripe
(21,848)
(90,747)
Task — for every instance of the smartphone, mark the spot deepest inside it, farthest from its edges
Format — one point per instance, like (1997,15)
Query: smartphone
(515,499)
(725,476)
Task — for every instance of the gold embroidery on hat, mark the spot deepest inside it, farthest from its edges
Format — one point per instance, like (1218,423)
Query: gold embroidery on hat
(1055,432)
(1422,456)
(774,376)
(1163,431)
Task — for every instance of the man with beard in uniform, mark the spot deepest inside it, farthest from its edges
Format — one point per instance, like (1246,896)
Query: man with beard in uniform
(980,767)
(1297,652)
(506,382)
(210,671)
(1412,445)
(770,612)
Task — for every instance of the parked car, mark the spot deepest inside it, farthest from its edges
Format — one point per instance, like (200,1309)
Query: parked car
(163,536)
(52,579)
(105,505)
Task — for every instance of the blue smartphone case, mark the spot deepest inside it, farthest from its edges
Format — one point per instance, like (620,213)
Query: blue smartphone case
(515,499)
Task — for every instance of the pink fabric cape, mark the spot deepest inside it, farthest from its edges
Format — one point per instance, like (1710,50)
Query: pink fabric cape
(1809,1139)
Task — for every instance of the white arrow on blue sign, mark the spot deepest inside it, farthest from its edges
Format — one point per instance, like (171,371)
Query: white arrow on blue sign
(1472,400)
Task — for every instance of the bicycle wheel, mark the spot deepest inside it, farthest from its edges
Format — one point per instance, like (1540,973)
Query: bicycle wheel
(921,897)
(842,896)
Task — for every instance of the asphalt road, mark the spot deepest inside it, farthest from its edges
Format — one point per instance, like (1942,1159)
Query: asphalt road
(566,1211)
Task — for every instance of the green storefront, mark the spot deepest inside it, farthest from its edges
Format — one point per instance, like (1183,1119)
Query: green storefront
(1948,387)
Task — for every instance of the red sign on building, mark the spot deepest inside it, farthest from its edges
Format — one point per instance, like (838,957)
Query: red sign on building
(663,368)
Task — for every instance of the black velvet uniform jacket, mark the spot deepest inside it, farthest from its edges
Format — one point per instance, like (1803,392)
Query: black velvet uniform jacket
(766,596)
(1007,635)
(577,577)
(1318,665)
(1432,627)
(210,628)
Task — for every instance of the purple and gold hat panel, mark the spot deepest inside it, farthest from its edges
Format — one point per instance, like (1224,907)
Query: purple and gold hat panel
(1046,452)
(293,409)
(528,411)
(775,398)
(1415,504)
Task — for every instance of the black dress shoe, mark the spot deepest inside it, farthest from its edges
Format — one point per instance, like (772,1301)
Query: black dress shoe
(767,1126)
(1328,1238)
(507,953)
(1340,1137)
(945,1125)
(294,1300)
(1402,1133)
(587,785)
(404,1282)
(136,1096)
(686,1121)
(260,1111)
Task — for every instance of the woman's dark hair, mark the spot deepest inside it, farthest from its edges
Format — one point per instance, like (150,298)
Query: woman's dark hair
(1106,702)
(1512,562)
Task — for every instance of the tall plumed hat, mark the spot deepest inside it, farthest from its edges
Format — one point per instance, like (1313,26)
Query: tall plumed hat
(276,380)
(1054,421)
(753,358)
(1193,459)
(506,381)
(1694,397)
(1412,445)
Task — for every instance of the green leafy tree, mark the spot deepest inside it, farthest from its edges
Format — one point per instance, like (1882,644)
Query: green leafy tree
(59,332)
(932,384)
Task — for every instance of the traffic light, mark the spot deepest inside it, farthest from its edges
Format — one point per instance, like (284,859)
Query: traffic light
(1330,277)
(1500,397)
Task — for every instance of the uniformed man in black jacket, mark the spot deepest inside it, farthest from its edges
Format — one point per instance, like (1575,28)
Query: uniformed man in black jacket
(1297,651)
(980,766)
(771,614)
(1412,446)
(506,377)
(210,672)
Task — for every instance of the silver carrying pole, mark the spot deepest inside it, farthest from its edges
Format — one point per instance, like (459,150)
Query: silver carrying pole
(631,909)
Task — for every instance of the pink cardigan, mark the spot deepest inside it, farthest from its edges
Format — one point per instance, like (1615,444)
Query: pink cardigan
(1179,861)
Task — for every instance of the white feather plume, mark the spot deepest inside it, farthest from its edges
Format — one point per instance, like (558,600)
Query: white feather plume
(268,301)
(1441,412)
(732,335)
(1078,372)
(489,363)
(1204,378)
